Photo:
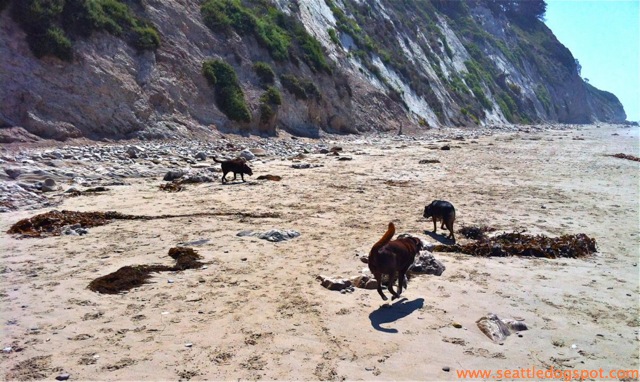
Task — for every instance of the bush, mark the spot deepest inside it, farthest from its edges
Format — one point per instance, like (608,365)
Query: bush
(44,20)
(229,96)
(333,36)
(264,72)
(271,96)
(266,113)
(146,38)
(300,88)
(4,4)
(52,43)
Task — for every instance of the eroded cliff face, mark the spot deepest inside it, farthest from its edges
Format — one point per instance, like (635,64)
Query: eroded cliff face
(394,67)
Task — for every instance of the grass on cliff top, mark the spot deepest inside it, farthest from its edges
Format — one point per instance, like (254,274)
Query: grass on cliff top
(51,25)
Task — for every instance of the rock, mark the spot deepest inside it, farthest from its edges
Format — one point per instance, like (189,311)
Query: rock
(201,156)
(48,185)
(364,282)
(245,233)
(457,325)
(496,329)
(344,158)
(275,235)
(445,147)
(63,377)
(13,173)
(301,165)
(173,175)
(247,154)
(334,284)
(427,161)
(446,368)
(427,264)
(259,152)
(134,151)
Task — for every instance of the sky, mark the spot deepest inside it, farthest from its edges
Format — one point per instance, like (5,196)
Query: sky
(604,36)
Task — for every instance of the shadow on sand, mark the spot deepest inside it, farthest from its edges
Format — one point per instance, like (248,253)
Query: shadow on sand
(439,237)
(390,313)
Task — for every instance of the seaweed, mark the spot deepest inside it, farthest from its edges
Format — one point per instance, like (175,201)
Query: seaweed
(475,232)
(132,276)
(52,223)
(625,156)
(520,244)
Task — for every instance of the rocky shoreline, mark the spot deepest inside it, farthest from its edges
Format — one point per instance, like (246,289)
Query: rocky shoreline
(37,175)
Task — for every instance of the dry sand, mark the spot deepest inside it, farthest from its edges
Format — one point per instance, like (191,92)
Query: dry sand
(258,312)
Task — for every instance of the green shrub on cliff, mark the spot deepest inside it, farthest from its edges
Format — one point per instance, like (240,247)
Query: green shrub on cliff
(229,95)
(282,35)
(49,24)
(264,72)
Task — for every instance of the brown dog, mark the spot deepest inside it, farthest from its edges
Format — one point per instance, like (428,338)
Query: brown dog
(237,166)
(393,256)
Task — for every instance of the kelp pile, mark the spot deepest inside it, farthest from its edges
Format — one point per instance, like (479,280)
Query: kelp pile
(520,244)
(52,223)
(88,191)
(129,277)
(171,187)
(475,232)
(625,156)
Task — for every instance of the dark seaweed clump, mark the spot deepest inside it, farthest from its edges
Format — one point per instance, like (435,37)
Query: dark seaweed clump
(520,244)
(625,156)
(129,277)
(475,232)
(51,223)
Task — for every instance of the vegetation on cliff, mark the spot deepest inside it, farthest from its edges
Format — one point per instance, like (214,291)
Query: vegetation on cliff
(51,25)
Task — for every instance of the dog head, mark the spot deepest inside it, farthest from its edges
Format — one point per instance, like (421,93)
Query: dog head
(246,169)
(428,211)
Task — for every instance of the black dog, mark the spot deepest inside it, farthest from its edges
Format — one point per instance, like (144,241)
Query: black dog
(443,211)
(237,166)
(393,256)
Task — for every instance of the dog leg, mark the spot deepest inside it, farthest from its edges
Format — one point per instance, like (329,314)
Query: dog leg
(450,228)
(378,277)
(242,176)
(392,279)
(435,224)
(224,177)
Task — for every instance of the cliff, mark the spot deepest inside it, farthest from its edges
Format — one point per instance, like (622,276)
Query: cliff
(168,68)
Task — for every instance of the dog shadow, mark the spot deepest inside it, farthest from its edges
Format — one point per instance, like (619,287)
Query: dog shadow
(439,237)
(390,313)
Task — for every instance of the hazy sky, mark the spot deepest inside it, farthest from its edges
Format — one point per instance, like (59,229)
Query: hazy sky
(604,36)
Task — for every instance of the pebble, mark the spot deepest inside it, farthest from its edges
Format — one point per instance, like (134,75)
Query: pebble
(63,377)
(188,344)
(446,368)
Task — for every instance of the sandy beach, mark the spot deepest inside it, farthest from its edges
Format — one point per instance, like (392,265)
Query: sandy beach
(257,310)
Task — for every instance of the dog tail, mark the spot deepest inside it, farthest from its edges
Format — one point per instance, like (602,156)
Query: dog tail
(216,160)
(385,238)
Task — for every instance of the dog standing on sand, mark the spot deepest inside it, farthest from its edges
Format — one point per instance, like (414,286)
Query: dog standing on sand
(237,166)
(443,211)
(391,257)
